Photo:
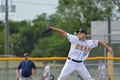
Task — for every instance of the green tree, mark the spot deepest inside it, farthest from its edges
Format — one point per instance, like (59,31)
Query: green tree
(71,15)
(43,46)
(2,38)
(84,11)
(2,42)
(21,37)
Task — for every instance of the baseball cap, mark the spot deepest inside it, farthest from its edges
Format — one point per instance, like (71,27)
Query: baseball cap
(82,31)
(26,54)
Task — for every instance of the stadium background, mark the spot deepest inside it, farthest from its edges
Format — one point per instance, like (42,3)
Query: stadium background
(25,36)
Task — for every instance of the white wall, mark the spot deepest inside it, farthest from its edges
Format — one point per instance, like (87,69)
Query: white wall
(99,31)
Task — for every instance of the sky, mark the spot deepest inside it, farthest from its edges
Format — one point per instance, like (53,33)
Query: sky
(29,9)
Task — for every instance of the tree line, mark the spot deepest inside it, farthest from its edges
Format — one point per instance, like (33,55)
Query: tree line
(71,15)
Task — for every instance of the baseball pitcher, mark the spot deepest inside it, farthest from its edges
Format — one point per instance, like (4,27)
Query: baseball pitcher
(79,51)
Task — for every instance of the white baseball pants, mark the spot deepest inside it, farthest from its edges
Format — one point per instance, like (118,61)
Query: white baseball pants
(71,67)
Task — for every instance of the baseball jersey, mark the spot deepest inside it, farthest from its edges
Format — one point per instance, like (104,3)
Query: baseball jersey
(79,49)
(46,71)
(102,69)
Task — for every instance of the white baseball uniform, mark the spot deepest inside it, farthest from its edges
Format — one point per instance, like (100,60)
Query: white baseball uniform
(102,71)
(78,53)
(46,71)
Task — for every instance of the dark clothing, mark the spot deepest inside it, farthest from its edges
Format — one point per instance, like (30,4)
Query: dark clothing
(26,67)
(52,77)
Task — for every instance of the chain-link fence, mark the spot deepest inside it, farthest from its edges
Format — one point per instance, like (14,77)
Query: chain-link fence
(8,67)
(9,72)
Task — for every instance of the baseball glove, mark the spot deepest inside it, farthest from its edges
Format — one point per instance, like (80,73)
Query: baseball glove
(46,30)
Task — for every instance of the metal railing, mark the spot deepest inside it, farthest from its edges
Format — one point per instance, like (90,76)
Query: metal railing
(56,64)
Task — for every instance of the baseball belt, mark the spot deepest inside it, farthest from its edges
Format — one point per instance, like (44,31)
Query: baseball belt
(78,61)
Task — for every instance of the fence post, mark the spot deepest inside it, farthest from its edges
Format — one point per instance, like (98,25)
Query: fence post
(110,67)
(54,69)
